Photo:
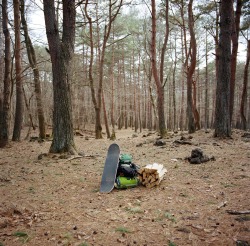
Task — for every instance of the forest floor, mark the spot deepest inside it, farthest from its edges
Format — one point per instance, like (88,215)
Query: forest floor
(56,201)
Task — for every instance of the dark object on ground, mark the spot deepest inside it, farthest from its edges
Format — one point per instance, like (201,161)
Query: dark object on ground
(40,157)
(184,140)
(197,157)
(127,170)
(160,142)
(242,243)
(246,135)
(110,169)
(78,133)
(33,139)
(243,218)
(235,212)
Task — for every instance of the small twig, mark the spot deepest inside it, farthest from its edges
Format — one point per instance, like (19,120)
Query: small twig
(75,157)
(81,156)
(235,212)
(90,156)
(182,142)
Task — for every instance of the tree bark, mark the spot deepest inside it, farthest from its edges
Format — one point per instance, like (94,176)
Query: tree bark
(195,110)
(244,90)
(175,126)
(61,52)
(216,39)
(206,89)
(222,110)
(105,117)
(159,85)
(113,136)
(183,69)
(138,98)
(125,107)
(191,69)
(19,83)
(5,109)
(27,104)
(235,38)
(135,110)
(185,63)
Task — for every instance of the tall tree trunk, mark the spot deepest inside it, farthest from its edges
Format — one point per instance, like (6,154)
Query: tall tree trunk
(244,90)
(138,98)
(125,107)
(119,111)
(235,38)
(191,69)
(97,99)
(113,136)
(145,114)
(206,89)
(98,127)
(159,85)
(19,83)
(1,45)
(105,116)
(33,63)
(216,38)
(222,111)
(134,84)
(195,110)
(175,126)
(1,72)
(152,101)
(61,52)
(183,68)
(5,115)
(184,65)
(27,104)
(107,30)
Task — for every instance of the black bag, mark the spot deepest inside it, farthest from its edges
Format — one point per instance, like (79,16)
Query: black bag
(127,170)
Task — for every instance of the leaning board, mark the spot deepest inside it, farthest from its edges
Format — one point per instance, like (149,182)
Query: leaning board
(110,168)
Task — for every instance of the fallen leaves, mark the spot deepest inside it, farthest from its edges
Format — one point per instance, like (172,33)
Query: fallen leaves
(57,200)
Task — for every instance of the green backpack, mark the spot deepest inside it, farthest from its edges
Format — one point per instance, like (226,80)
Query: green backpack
(126,168)
(125,159)
(126,182)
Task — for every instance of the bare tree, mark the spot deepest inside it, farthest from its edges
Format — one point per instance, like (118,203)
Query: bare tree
(235,38)
(222,122)
(175,127)
(206,88)
(5,109)
(105,117)
(184,58)
(113,11)
(33,63)
(19,83)
(244,90)
(61,53)
(159,78)
(191,69)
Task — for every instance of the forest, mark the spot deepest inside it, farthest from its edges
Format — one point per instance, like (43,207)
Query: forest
(123,64)
(159,79)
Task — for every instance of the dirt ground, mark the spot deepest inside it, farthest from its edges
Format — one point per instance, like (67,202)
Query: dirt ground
(56,201)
